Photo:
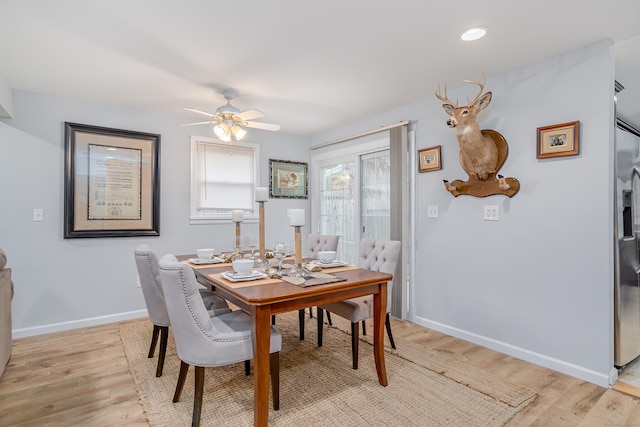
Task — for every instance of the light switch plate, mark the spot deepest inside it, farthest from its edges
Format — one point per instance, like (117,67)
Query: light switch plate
(432,211)
(491,212)
(38,214)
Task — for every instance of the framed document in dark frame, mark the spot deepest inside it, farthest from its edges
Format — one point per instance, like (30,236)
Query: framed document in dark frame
(112,182)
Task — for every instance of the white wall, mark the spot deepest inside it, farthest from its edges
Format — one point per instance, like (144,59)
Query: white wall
(538,284)
(62,284)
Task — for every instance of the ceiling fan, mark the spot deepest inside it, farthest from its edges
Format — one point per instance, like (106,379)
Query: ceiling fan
(230,121)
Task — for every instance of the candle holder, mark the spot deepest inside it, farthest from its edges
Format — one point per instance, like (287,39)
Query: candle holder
(298,270)
(261,232)
(238,239)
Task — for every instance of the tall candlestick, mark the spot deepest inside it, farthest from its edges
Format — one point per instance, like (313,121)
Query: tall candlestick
(298,246)
(262,194)
(261,220)
(238,245)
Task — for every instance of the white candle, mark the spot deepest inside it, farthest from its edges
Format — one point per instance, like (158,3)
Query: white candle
(262,194)
(238,215)
(296,217)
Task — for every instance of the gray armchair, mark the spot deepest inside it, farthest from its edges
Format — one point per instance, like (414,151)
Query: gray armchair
(6,295)
(205,341)
(375,255)
(315,244)
(149,274)
(319,242)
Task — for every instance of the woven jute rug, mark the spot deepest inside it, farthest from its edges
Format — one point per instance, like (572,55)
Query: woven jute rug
(319,387)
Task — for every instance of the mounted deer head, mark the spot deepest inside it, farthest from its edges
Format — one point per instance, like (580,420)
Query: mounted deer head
(478,153)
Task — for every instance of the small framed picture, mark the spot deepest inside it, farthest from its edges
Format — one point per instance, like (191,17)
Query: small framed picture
(559,140)
(288,179)
(429,159)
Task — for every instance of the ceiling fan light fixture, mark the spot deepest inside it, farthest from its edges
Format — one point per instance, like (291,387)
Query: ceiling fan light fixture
(238,132)
(221,130)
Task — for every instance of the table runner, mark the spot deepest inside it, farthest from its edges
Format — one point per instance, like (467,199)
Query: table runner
(312,279)
(245,284)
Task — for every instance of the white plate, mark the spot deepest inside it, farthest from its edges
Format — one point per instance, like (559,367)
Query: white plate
(200,261)
(334,263)
(234,277)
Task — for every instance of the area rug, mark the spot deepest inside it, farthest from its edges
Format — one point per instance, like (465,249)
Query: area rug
(319,387)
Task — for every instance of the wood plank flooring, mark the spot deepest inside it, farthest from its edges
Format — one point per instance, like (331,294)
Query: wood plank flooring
(81,377)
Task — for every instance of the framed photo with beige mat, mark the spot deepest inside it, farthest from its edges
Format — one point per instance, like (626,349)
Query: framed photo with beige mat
(112,182)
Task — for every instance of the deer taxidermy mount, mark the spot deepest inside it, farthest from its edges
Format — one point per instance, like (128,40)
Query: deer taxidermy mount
(482,152)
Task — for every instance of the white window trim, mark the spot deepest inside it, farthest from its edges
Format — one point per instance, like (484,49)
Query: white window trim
(197,217)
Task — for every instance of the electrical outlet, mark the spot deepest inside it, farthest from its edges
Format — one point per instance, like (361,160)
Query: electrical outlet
(432,211)
(491,212)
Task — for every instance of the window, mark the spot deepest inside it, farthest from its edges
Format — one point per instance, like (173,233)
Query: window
(223,178)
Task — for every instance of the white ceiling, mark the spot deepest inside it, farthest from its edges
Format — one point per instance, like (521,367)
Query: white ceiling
(308,66)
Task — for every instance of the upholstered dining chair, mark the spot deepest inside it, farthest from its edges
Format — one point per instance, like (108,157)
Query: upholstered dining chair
(315,244)
(149,275)
(205,341)
(376,255)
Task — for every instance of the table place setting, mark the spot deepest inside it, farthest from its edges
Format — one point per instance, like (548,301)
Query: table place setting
(312,279)
(242,277)
(203,261)
(322,264)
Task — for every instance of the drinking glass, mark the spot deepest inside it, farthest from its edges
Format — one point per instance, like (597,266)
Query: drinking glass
(252,243)
(279,252)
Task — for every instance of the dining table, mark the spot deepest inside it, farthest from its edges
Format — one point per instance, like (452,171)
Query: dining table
(268,296)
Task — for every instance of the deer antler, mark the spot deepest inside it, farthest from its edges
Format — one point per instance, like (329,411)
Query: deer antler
(445,99)
(480,81)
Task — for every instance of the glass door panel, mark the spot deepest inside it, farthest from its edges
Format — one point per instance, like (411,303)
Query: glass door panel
(338,206)
(375,201)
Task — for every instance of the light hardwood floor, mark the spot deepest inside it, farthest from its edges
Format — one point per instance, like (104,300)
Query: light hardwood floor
(81,378)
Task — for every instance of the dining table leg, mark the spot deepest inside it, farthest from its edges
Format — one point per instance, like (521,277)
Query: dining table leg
(380,311)
(261,336)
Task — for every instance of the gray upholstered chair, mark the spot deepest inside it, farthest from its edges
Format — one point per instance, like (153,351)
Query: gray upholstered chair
(320,242)
(315,244)
(149,275)
(205,341)
(376,255)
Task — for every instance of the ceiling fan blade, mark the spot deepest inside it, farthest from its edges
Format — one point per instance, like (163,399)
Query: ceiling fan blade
(250,115)
(209,122)
(199,111)
(263,126)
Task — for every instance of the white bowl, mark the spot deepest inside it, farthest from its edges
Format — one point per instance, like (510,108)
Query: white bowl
(327,256)
(242,265)
(204,253)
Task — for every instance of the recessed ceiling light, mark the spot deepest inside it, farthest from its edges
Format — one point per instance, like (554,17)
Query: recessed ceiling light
(473,34)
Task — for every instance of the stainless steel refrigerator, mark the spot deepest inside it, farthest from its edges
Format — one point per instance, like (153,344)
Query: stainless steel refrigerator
(627,254)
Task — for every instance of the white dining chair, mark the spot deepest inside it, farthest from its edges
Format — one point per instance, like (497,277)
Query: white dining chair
(149,275)
(375,255)
(205,341)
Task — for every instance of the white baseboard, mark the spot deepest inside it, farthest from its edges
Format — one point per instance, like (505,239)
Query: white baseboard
(601,379)
(75,324)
